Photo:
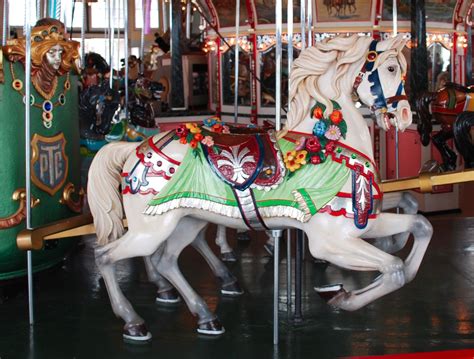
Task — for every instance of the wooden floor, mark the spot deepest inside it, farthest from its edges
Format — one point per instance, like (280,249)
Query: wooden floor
(74,318)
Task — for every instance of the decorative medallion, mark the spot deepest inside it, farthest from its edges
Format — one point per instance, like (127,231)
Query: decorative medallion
(49,163)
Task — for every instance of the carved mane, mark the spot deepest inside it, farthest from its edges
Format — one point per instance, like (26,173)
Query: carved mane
(341,52)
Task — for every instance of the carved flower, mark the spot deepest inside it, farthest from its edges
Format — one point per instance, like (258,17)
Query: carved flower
(319,129)
(183,140)
(217,128)
(336,117)
(300,143)
(330,146)
(301,157)
(292,165)
(333,133)
(313,144)
(193,128)
(193,144)
(198,137)
(181,131)
(225,129)
(209,122)
(318,113)
(208,141)
(315,160)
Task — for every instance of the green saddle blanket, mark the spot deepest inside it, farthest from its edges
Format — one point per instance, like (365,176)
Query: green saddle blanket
(299,196)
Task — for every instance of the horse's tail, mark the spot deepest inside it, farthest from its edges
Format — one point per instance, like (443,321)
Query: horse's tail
(103,190)
(422,105)
(462,137)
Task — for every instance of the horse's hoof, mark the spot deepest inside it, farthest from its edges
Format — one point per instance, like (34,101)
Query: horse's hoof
(232,290)
(213,327)
(228,257)
(243,236)
(269,248)
(169,296)
(330,292)
(136,333)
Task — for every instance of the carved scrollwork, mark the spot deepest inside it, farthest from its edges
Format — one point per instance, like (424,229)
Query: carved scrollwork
(16,218)
(69,192)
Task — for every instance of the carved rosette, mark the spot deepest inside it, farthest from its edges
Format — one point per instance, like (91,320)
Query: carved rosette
(69,193)
(17,217)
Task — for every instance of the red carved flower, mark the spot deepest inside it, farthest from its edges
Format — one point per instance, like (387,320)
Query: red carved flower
(198,137)
(217,128)
(181,131)
(183,140)
(330,146)
(336,117)
(313,144)
(193,144)
(315,160)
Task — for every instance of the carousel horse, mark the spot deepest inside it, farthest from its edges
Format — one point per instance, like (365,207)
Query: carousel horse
(445,105)
(316,175)
(145,102)
(99,105)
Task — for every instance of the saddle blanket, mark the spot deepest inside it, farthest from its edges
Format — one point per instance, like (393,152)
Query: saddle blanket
(196,184)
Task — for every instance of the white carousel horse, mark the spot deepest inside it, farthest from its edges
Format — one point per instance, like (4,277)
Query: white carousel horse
(336,202)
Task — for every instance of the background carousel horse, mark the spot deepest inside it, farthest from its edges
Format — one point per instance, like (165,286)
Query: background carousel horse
(463,137)
(328,186)
(445,105)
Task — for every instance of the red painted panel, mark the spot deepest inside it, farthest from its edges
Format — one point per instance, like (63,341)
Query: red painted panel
(409,154)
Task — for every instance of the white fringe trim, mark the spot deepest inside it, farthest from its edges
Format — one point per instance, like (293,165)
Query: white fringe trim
(225,210)
(302,203)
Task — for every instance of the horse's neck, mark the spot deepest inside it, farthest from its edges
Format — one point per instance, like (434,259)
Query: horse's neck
(358,135)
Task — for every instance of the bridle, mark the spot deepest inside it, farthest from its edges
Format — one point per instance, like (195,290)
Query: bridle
(381,103)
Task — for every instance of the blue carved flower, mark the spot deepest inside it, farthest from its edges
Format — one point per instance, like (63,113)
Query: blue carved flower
(209,122)
(319,129)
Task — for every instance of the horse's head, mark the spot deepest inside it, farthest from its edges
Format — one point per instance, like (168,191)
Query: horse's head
(380,83)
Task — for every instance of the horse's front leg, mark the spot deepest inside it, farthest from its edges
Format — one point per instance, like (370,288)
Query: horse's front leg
(183,235)
(166,293)
(448,155)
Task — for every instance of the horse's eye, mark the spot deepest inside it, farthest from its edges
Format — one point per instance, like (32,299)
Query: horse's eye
(391,69)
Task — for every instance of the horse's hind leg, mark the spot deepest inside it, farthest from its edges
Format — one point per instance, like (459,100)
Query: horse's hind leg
(229,284)
(182,236)
(227,254)
(166,293)
(408,203)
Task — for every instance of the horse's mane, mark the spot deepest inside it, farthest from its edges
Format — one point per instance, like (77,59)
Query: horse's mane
(316,61)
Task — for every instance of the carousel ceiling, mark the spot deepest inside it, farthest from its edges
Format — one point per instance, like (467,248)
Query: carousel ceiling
(330,15)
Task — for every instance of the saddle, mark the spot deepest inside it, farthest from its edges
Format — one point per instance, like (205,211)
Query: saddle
(248,157)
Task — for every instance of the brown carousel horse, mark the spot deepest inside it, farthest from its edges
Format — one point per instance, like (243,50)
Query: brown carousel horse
(452,106)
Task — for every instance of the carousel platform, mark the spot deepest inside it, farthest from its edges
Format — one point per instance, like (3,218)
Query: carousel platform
(434,313)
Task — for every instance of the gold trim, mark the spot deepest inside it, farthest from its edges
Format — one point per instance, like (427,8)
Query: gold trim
(20,214)
(426,181)
(29,239)
(67,198)
(34,158)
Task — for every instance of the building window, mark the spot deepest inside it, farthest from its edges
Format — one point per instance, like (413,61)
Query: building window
(154,14)
(99,15)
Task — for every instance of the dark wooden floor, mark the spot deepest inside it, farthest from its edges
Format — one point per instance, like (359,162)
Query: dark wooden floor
(74,318)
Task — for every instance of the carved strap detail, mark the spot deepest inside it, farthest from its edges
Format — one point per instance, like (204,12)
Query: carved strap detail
(67,198)
(20,214)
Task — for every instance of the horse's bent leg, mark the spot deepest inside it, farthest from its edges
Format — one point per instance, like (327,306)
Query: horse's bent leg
(356,254)
(182,236)
(166,292)
(229,284)
(419,226)
(448,155)
(408,203)
(227,254)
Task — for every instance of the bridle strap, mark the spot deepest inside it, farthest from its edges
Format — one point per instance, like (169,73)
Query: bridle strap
(369,63)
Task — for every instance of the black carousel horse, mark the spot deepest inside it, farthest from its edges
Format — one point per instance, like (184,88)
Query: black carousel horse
(145,101)
(451,106)
(98,103)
